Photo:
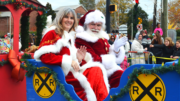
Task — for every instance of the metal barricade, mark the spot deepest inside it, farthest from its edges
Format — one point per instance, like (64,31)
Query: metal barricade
(129,59)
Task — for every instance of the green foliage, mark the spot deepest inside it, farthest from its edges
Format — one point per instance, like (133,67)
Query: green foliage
(41,23)
(24,31)
(33,32)
(88,4)
(178,32)
(50,11)
(132,16)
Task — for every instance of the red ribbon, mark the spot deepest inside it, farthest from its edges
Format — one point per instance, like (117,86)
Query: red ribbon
(17,72)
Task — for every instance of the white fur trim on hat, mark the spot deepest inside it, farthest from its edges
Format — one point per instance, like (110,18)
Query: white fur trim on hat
(96,16)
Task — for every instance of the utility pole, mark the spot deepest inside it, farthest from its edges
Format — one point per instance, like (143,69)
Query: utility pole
(107,16)
(154,15)
(165,18)
(162,15)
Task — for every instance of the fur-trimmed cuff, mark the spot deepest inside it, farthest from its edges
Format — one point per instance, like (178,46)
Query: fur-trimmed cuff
(108,60)
(66,64)
(120,56)
(113,70)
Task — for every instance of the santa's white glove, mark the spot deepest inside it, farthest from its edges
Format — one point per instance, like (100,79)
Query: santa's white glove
(119,42)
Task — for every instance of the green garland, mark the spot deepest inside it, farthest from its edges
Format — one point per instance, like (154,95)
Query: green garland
(25,32)
(40,23)
(23,4)
(133,77)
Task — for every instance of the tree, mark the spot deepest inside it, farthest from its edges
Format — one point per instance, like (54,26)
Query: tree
(88,4)
(101,5)
(174,12)
(49,11)
(119,17)
(142,14)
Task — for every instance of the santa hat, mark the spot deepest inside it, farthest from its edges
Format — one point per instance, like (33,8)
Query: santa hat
(90,16)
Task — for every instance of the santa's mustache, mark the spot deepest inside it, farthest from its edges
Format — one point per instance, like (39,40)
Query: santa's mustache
(95,30)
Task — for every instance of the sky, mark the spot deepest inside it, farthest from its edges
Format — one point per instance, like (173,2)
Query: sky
(147,5)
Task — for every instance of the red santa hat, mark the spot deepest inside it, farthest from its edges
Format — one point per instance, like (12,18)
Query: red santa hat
(90,16)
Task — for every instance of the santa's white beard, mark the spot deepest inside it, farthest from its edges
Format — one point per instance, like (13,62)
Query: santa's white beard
(94,34)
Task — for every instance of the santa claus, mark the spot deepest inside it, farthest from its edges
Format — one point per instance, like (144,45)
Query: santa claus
(91,34)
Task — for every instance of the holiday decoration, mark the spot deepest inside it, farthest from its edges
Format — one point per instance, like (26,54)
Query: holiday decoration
(18,4)
(4,45)
(133,76)
(31,69)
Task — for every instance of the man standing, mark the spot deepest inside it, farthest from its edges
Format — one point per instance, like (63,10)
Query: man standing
(91,33)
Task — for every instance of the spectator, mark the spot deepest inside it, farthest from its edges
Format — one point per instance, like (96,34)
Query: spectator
(137,46)
(156,51)
(167,48)
(176,52)
(111,40)
(158,29)
(146,41)
(126,46)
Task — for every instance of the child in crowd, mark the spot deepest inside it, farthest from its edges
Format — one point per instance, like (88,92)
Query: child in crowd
(167,48)
(176,52)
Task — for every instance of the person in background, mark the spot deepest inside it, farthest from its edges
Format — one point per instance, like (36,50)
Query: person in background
(111,40)
(158,28)
(137,46)
(146,41)
(125,63)
(176,52)
(156,51)
(167,48)
(126,46)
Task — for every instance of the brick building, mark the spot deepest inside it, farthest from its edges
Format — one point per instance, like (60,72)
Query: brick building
(79,9)
(6,21)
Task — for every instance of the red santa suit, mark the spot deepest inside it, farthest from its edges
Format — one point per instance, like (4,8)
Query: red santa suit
(90,83)
(99,48)
(103,53)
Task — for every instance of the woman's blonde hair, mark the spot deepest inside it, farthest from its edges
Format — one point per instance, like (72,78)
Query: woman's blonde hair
(59,17)
(171,43)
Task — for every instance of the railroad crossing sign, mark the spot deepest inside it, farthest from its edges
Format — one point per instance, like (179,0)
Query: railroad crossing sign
(148,88)
(44,84)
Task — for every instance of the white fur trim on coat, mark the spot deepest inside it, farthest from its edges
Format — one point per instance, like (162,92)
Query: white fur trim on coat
(66,64)
(92,37)
(107,60)
(120,56)
(85,84)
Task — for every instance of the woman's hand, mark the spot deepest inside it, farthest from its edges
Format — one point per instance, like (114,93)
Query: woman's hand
(151,45)
(81,53)
(145,49)
(75,66)
(171,56)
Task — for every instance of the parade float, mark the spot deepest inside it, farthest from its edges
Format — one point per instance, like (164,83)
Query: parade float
(24,79)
